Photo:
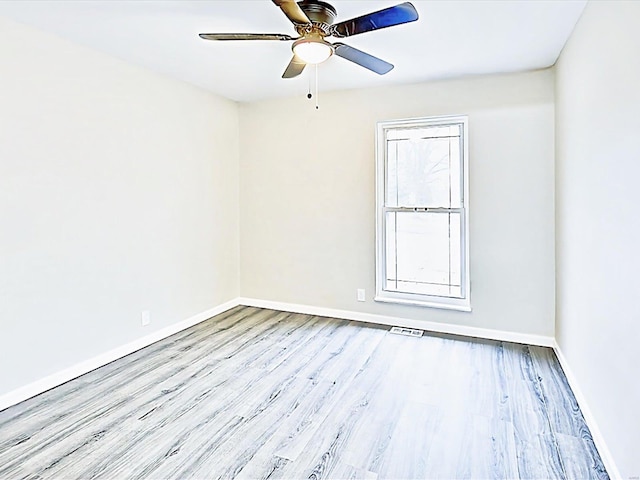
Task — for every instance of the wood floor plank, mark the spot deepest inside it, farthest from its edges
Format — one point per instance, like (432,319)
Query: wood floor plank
(104,416)
(257,393)
(264,414)
(577,465)
(328,448)
(35,403)
(411,442)
(345,471)
(40,412)
(333,381)
(137,406)
(538,455)
(487,450)
(489,384)
(372,435)
(566,419)
(221,402)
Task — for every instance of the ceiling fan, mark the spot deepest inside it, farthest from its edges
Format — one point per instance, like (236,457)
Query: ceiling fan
(313,21)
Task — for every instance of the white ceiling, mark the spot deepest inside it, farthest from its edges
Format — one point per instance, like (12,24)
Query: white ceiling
(451,39)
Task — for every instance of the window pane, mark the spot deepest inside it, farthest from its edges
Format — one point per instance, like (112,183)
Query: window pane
(455,173)
(423,168)
(392,197)
(423,251)
(391,250)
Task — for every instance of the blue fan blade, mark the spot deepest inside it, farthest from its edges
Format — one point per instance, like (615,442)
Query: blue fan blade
(363,59)
(403,13)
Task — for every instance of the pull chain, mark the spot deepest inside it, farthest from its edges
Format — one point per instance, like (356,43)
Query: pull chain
(317,87)
(309,94)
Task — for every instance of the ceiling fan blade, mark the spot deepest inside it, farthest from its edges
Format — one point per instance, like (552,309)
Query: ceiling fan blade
(363,59)
(295,68)
(245,36)
(293,11)
(402,13)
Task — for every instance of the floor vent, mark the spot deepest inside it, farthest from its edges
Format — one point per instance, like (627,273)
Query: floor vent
(409,332)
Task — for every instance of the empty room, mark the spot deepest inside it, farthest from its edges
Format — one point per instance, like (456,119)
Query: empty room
(343,239)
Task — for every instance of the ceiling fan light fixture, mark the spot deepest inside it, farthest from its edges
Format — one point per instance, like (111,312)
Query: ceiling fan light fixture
(312,51)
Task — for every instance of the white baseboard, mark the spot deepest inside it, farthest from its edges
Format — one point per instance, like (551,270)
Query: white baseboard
(403,322)
(598,439)
(39,386)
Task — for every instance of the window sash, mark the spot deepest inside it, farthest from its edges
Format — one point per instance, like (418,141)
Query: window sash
(438,287)
(455,145)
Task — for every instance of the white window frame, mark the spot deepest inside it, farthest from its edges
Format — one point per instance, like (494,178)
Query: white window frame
(450,303)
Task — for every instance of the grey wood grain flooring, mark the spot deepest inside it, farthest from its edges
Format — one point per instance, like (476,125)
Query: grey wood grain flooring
(257,394)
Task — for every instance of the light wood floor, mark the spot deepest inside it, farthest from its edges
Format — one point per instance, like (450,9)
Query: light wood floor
(263,394)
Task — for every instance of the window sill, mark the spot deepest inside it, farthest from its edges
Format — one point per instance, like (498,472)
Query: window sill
(423,303)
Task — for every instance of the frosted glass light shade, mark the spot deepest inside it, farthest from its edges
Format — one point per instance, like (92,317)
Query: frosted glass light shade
(312,51)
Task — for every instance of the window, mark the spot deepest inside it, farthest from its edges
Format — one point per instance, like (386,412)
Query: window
(422,212)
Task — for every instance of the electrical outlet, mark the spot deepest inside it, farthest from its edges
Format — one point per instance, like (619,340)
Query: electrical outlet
(361,297)
(145,318)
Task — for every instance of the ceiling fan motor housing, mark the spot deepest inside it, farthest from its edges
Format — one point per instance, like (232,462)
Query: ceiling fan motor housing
(318,11)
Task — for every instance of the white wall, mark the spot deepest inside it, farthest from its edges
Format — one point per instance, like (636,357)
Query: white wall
(118,193)
(598,226)
(307,197)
